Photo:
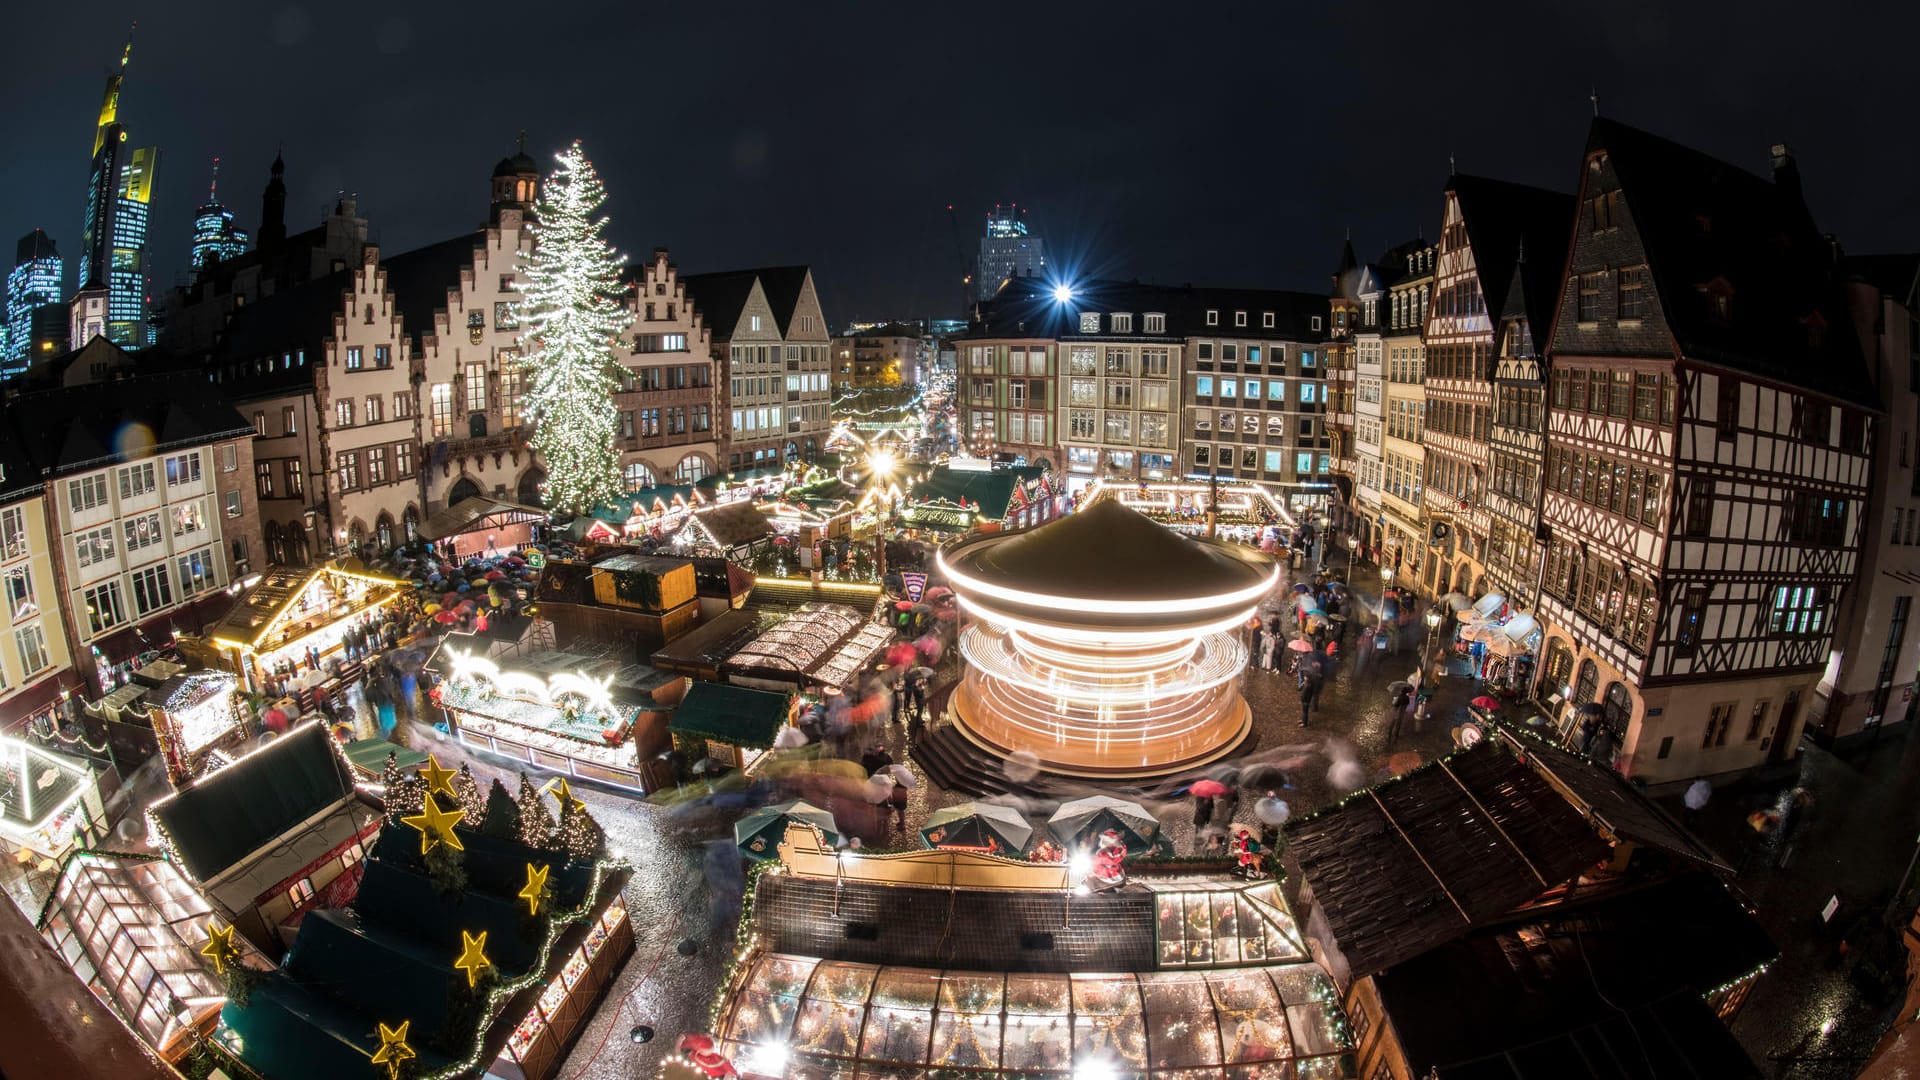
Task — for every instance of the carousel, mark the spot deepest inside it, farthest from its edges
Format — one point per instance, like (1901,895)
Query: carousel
(1104,644)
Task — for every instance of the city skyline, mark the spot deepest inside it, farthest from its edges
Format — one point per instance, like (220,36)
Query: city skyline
(750,171)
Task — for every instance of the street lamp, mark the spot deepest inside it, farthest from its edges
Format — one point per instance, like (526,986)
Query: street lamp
(1353,544)
(1433,621)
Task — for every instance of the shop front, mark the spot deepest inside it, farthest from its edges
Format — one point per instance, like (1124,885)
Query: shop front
(288,634)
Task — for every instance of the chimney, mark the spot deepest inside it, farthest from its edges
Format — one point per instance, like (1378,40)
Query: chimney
(1786,171)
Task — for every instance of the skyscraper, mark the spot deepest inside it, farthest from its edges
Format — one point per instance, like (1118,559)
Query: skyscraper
(113,240)
(36,321)
(215,237)
(1006,251)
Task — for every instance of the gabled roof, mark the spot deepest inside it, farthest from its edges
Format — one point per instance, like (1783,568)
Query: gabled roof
(734,523)
(468,514)
(783,286)
(88,425)
(1418,861)
(1025,307)
(721,298)
(992,490)
(1502,218)
(1704,223)
(420,280)
(736,715)
(221,819)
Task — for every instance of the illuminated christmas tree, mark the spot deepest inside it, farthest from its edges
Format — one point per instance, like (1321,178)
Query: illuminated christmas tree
(572,312)
(467,790)
(536,823)
(579,835)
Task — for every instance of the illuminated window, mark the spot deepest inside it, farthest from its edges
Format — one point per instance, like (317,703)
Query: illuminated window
(441,398)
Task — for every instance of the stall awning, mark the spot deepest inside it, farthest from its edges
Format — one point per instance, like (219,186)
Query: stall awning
(475,514)
(1489,605)
(735,715)
(1520,627)
(18,708)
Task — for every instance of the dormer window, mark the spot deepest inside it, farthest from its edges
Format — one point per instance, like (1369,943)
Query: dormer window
(1156,322)
(1718,295)
(1316,323)
(1266,319)
(1089,322)
(1213,317)
(1122,322)
(1239,318)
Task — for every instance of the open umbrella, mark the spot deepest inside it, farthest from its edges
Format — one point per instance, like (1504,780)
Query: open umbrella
(902,776)
(977,825)
(879,788)
(1091,816)
(758,835)
(902,655)
(1336,584)
(1404,762)
(1301,589)
(447,617)
(1456,601)
(1300,645)
(1272,811)
(1207,789)
(1484,702)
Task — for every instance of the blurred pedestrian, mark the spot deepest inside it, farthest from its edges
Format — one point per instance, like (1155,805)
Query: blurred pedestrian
(1202,811)
(1310,683)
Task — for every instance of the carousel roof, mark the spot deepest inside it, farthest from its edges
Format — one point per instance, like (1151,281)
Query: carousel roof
(1110,552)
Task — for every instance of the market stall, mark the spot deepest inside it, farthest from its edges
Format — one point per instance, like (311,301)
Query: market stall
(288,633)
(820,644)
(568,722)
(191,715)
(45,798)
(733,725)
(1499,643)
(479,526)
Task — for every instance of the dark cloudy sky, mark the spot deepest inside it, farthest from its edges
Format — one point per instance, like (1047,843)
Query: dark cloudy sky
(1221,143)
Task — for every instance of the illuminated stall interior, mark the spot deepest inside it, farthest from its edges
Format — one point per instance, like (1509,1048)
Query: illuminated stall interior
(45,798)
(132,927)
(1183,977)
(1105,644)
(569,721)
(290,612)
(190,714)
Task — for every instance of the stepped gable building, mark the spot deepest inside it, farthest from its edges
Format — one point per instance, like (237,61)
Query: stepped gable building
(1710,423)
(1401,541)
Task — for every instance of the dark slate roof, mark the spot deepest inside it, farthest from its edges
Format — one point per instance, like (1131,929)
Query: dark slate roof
(971,929)
(228,815)
(419,281)
(1897,274)
(247,359)
(1418,861)
(18,474)
(738,715)
(1701,219)
(1111,552)
(720,298)
(85,426)
(1025,308)
(1501,218)
(515,165)
(783,285)
(1541,996)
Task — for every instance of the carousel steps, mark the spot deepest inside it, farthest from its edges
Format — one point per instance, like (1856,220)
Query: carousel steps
(953,762)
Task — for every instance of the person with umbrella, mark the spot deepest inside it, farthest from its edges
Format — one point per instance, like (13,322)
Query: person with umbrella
(1311,681)
(1226,805)
(1399,700)
(917,680)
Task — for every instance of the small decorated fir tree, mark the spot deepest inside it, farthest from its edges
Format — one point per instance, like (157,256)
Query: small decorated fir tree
(502,818)
(579,835)
(536,822)
(467,789)
(405,798)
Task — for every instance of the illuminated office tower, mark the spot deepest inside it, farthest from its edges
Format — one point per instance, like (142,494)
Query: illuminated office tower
(113,240)
(36,319)
(215,237)
(1006,251)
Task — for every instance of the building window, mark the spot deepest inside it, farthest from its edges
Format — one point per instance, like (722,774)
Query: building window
(503,316)
(1213,318)
(89,492)
(1797,611)
(1156,323)
(476,388)
(1606,207)
(1817,519)
(105,609)
(1316,324)
(151,590)
(1719,718)
(1727,416)
(402,405)
(637,476)
(296,480)
(1089,322)
(287,424)
(1266,319)
(348,465)
(1693,612)
(1589,302)
(343,413)
(1757,719)
(31,641)
(441,415)
(95,546)
(263,479)
(376,465)
(513,383)
(1700,507)
(1122,322)
(1239,318)
(1633,293)
(20,601)
(137,480)
(1080,424)
(260,423)
(188,518)
(196,572)
(374,404)
(13,531)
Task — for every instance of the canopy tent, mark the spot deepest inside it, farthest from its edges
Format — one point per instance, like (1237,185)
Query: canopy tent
(991,826)
(1083,818)
(758,834)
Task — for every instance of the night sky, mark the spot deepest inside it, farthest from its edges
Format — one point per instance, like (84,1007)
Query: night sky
(1153,141)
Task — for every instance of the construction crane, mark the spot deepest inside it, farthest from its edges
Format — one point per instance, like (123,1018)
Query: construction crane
(960,252)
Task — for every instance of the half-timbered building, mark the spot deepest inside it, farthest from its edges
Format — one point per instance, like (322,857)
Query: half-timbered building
(1400,542)
(1707,462)
(1479,248)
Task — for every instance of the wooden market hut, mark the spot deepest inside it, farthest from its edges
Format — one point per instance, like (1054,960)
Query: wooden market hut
(731,724)
(468,528)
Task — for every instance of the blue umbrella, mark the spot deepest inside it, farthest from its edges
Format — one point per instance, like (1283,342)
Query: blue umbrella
(1301,589)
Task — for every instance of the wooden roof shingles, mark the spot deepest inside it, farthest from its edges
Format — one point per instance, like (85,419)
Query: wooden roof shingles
(1419,861)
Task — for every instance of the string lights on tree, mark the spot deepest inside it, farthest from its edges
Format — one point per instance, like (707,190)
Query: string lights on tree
(572,312)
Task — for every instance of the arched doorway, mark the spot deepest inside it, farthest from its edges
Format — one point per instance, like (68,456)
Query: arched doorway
(1557,672)
(410,521)
(1617,708)
(1462,575)
(529,490)
(692,469)
(793,450)
(813,448)
(637,476)
(463,488)
(1043,463)
(1588,683)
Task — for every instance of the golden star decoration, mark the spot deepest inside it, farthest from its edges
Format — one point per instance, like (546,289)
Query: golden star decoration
(437,777)
(536,884)
(564,795)
(393,1048)
(219,947)
(473,957)
(436,825)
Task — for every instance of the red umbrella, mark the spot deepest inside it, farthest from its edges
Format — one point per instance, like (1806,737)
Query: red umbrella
(495,575)
(449,599)
(446,617)
(275,719)
(1404,762)
(1208,789)
(1300,645)
(1484,702)
(902,655)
